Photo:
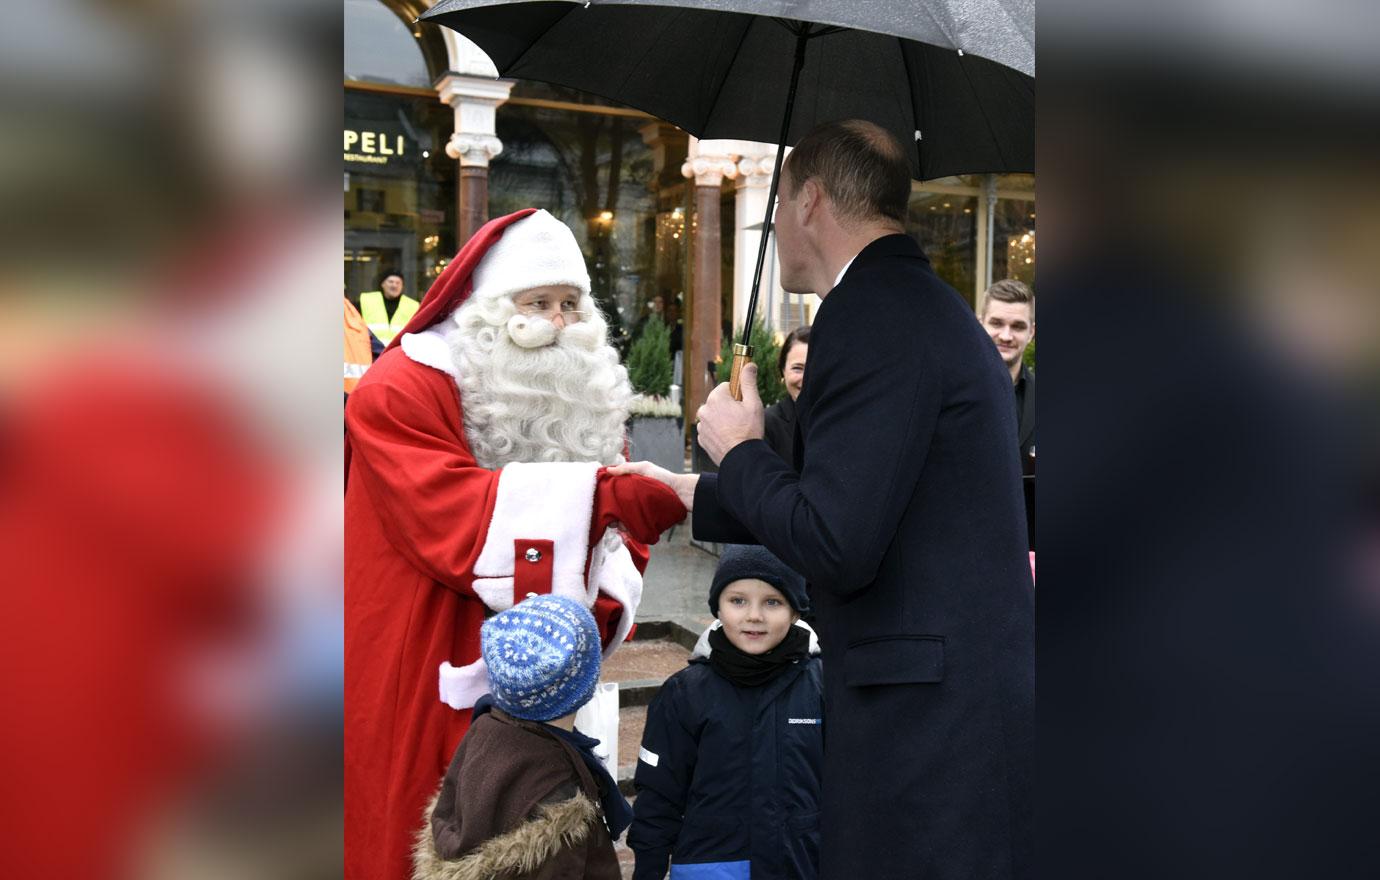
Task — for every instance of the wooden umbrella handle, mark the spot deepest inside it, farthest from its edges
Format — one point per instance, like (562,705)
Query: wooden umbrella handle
(742,354)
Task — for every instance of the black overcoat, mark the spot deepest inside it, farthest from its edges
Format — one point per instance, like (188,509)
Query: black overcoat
(907,520)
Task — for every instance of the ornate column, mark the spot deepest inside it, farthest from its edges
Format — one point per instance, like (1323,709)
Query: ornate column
(474,142)
(755,161)
(986,222)
(708,167)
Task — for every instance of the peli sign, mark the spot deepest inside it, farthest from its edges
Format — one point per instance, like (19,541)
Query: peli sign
(372,147)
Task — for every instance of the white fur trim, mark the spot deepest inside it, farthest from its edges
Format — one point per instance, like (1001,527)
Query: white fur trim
(546,501)
(702,646)
(462,686)
(533,252)
(429,349)
(613,573)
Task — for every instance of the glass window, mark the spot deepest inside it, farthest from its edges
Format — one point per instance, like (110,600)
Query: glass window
(596,173)
(1024,183)
(399,190)
(1013,245)
(380,48)
(946,227)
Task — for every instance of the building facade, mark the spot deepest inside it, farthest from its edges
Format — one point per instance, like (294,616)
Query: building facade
(435,144)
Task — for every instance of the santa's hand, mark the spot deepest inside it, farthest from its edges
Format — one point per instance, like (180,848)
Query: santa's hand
(682,484)
(725,422)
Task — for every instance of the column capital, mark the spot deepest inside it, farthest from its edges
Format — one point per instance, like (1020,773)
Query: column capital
(461,88)
(709,170)
(475,100)
(756,171)
(473,150)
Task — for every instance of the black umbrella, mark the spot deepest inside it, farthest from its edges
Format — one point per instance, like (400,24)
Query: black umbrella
(719,69)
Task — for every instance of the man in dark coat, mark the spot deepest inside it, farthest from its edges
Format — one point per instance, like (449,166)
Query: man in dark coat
(905,517)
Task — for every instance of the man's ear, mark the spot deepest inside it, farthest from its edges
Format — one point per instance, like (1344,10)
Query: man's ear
(810,200)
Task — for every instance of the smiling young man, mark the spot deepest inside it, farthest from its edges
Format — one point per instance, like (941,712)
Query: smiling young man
(1008,316)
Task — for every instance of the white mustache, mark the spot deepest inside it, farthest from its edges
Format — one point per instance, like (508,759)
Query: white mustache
(531,331)
(535,331)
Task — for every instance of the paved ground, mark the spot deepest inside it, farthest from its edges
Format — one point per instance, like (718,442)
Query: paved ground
(676,585)
(644,659)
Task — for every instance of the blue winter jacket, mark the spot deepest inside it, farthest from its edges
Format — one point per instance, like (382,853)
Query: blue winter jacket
(728,777)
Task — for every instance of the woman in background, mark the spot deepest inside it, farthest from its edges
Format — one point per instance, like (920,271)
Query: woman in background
(780,416)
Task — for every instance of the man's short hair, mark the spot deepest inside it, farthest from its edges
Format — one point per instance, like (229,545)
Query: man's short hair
(860,166)
(1009,290)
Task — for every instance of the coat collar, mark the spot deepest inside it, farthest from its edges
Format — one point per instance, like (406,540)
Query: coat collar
(701,650)
(898,245)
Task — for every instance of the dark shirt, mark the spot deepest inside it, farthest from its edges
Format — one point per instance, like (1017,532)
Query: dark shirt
(779,429)
(1025,411)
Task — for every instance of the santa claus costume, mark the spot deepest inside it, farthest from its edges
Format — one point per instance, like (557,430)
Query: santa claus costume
(475,458)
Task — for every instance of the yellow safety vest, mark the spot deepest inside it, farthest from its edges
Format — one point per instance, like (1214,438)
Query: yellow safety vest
(375,314)
(358,353)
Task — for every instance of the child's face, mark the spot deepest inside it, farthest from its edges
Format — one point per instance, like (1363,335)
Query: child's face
(755,615)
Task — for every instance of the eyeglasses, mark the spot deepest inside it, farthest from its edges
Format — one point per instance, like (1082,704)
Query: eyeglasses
(571,315)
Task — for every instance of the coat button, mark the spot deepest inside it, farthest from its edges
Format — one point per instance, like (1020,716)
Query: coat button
(532,555)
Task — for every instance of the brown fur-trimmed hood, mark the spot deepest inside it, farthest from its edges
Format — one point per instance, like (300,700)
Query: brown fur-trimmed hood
(516,802)
(558,826)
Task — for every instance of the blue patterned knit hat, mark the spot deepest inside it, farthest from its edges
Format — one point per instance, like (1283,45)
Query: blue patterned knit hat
(543,657)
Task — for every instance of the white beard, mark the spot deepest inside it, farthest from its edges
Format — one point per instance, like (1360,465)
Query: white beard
(528,401)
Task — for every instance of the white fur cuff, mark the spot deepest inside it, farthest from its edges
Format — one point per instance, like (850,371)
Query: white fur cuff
(613,573)
(462,686)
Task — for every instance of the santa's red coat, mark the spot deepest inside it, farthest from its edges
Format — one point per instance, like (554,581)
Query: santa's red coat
(417,510)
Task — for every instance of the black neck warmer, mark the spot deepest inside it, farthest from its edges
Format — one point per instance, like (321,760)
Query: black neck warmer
(751,670)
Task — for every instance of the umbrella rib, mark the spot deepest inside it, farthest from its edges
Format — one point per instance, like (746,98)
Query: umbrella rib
(986,120)
(530,46)
(1016,26)
(651,47)
(915,122)
(728,71)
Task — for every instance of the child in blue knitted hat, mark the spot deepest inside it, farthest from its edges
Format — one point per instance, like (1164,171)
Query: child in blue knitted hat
(728,774)
(525,795)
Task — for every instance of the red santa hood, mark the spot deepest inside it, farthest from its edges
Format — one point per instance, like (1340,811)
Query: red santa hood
(450,290)
(455,283)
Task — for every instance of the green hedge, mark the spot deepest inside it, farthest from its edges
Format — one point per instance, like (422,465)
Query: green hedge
(649,361)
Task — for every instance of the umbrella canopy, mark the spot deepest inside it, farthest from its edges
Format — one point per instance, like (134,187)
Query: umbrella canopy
(717,70)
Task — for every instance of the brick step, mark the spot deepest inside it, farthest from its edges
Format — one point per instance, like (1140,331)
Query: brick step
(631,721)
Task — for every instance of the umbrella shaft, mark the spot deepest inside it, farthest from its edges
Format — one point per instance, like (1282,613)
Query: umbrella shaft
(801,38)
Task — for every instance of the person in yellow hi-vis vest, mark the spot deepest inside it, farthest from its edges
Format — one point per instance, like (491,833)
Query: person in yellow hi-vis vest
(376,306)
(358,354)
